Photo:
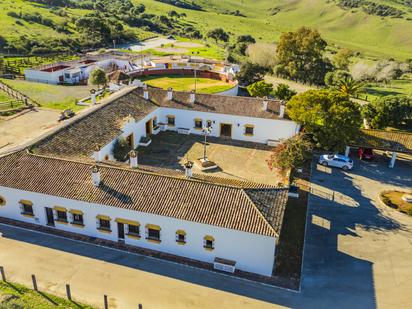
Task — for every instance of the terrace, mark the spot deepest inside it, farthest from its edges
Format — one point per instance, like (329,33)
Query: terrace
(237,160)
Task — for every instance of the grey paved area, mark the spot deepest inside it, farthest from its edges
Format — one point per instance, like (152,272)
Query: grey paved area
(357,255)
(23,128)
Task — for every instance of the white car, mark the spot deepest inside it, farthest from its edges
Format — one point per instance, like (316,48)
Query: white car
(340,161)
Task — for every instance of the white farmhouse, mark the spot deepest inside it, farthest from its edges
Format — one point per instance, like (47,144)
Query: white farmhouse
(66,183)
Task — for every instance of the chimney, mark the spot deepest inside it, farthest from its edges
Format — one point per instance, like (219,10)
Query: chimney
(192,97)
(93,96)
(282,109)
(170,93)
(188,169)
(133,159)
(96,153)
(145,92)
(96,175)
(265,103)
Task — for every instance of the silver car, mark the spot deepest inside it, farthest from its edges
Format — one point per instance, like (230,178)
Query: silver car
(340,161)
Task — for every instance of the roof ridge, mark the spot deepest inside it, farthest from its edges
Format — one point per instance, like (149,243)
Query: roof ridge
(260,213)
(384,131)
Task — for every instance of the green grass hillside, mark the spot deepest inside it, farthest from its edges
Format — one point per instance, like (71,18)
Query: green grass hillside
(373,36)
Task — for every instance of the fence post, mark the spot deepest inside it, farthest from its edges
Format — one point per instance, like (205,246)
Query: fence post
(106,303)
(68,292)
(33,279)
(140,306)
(3,275)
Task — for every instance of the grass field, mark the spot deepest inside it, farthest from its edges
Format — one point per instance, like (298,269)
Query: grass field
(373,36)
(51,96)
(4,97)
(401,86)
(186,83)
(13,295)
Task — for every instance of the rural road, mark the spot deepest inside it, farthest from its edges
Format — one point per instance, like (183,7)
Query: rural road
(149,44)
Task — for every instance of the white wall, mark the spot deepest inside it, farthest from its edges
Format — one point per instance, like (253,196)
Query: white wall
(252,252)
(231,92)
(264,129)
(43,77)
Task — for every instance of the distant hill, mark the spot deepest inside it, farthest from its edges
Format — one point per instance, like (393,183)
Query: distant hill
(375,28)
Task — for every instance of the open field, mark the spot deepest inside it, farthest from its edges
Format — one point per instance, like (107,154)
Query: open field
(373,36)
(13,295)
(401,86)
(186,83)
(4,97)
(51,96)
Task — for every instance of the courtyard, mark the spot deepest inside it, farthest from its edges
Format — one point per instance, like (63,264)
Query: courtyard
(235,159)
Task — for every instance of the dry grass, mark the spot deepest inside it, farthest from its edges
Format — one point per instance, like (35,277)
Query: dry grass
(393,199)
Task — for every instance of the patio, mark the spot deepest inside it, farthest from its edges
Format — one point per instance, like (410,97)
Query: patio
(235,159)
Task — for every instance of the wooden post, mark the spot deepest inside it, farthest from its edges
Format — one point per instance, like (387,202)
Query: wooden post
(3,275)
(68,292)
(33,279)
(140,306)
(106,303)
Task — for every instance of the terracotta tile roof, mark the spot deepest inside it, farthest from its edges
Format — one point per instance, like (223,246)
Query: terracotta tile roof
(231,105)
(385,140)
(100,127)
(258,211)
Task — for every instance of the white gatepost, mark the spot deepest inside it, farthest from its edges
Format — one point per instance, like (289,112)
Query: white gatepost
(393,159)
(347,149)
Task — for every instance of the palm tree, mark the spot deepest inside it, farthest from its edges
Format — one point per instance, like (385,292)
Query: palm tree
(349,86)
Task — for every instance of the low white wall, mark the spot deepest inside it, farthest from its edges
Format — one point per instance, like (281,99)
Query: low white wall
(232,91)
(43,77)
(252,252)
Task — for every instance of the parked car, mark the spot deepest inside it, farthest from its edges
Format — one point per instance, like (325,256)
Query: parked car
(365,153)
(336,160)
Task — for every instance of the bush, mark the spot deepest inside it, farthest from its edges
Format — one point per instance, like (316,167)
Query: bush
(121,149)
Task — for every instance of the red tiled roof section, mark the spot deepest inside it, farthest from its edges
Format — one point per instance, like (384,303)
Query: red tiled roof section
(184,199)
(231,105)
(384,140)
(100,127)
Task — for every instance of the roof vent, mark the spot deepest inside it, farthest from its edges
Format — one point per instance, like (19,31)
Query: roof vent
(145,92)
(282,109)
(265,103)
(96,175)
(96,153)
(170,93)
(192,97)
(189,169)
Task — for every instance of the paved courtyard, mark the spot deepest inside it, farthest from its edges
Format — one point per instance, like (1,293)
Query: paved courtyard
(357,255)
(235,159)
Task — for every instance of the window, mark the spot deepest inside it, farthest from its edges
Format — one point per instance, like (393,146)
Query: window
(170,120)
(249,129)
(103,223)
(134,230)
(180,237)
(67,75)
(153,233)
(27,208)
(154,122)
(61,216)
(78,219)
(208,123)
(198,124)
(209,242)
(2,201)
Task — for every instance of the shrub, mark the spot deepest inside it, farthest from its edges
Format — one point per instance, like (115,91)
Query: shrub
(121,149)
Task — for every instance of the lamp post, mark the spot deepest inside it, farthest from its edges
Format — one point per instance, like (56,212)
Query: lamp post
(207,130)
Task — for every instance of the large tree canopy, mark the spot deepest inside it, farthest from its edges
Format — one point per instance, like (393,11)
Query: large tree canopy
(218,34)
(250,73)
(329,117)
(393,111)
(300,56)
(260,89)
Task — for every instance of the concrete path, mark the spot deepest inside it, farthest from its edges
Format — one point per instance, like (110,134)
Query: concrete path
(148,44)
(357,255)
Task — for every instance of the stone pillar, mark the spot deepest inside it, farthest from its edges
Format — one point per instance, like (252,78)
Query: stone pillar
(282,110)
(347,150)
(93,96)
(265,103)
(133,159)
(393,159)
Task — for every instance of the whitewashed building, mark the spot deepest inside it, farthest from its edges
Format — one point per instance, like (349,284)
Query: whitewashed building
(65,182)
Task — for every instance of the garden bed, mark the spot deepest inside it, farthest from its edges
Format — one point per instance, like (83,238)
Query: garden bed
(394,200)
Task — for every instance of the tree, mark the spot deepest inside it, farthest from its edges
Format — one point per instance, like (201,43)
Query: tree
(283,92)
(218,34)
(394,111)
(260,89)
(349,86)
(263,54)
(300,56)
(329,117)
(246,38)
(98,77)
(250,73)
(342,58)
(291,153)
(332,78)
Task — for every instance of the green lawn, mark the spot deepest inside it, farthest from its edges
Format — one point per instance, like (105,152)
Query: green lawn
(16,296)
(186,83)
(402,86)
(51,96)
(4,97)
